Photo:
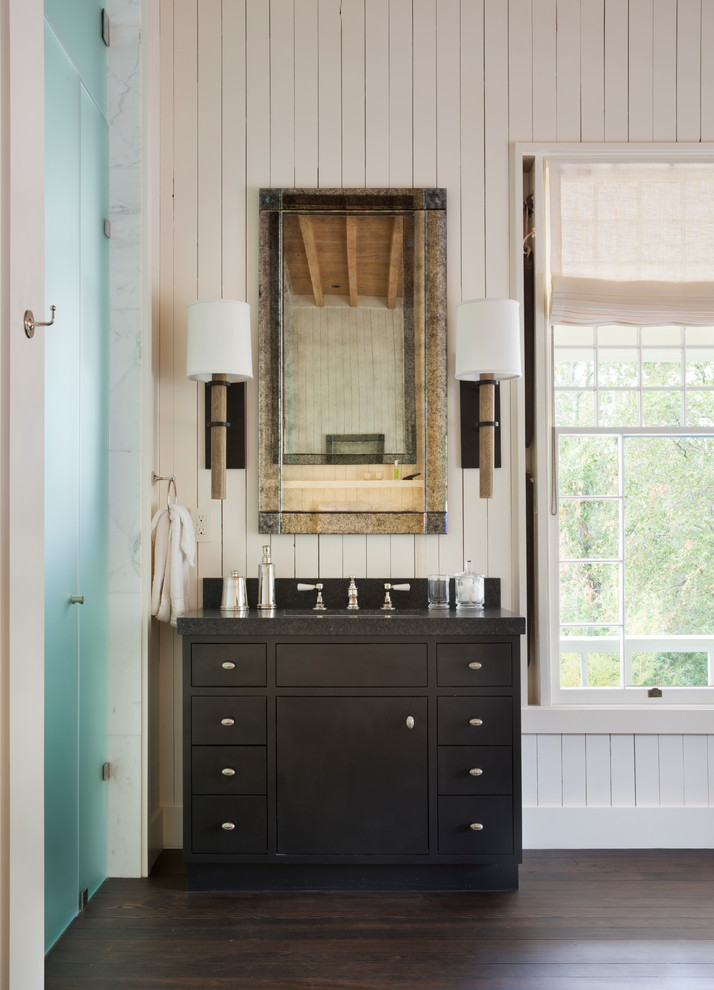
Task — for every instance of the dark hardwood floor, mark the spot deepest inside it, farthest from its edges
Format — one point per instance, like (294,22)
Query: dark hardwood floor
(583,920)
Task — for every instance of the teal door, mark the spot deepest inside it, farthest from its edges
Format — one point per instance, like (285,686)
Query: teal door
(76,500)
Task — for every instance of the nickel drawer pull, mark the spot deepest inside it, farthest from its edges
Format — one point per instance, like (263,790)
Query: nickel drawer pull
(474,826)
(475,665)
(229,826)
(230,772)
(475,721)
(410,722)
(228,721)
(476,772)
(228,665)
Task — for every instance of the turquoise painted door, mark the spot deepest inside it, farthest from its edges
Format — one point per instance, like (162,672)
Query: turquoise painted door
(76,503)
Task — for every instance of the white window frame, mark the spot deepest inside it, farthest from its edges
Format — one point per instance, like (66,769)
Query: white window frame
(554,707)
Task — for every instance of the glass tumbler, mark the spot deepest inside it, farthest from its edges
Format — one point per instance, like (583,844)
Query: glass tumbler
(438,590)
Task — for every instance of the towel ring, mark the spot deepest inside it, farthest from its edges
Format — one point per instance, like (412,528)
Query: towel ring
(172,481)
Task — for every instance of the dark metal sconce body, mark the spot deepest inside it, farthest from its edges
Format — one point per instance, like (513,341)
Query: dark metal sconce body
(469,424)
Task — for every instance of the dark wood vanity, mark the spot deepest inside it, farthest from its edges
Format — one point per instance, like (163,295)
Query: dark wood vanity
(344,751)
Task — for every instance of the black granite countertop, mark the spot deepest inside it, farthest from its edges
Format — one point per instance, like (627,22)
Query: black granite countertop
(340,622)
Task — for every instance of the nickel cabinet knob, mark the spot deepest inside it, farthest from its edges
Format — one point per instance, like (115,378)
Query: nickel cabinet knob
(228,721)
(475,665)
(474,826)
(229,826)
(475,772)
(410,721)
(228,772)
(228,665)
(475,721)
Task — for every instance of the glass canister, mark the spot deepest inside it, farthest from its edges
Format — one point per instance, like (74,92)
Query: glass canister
(469,588)
(438,590)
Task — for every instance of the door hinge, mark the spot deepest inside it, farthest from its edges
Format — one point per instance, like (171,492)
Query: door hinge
(106,771)
(106,27)
(107,228)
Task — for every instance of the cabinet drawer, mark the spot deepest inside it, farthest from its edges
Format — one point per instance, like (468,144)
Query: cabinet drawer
(492,818)
(228,770)
(474,665)
(351,665)
(212,818)
(228,664)
(228,721)
(475,770)
(482,721)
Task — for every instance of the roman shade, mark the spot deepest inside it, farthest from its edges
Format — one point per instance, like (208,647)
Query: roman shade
(631,242)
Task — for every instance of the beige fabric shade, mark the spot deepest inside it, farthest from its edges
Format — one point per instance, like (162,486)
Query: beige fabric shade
(219,340)
(488,339)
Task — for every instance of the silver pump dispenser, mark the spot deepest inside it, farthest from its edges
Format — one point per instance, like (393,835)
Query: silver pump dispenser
(266,581)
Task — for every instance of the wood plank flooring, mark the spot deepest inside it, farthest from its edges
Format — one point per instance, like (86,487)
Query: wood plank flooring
(581,921)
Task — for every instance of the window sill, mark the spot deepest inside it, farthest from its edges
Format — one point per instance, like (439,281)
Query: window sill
(608,719)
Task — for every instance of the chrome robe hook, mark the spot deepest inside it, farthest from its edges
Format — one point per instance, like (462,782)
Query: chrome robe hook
(29,321)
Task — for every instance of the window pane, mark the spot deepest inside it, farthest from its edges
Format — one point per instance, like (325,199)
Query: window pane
(603,669)
(700,408)
(618,409)
(700,335)
(617,335)
(617,366)
(589,592)
(570,670)
(700,366)
(662,408)
(574,367)
(573,335)
(674,669)
(662,335)
(588,465)
(669,535)
(661,367)
(575,408)
(589,528)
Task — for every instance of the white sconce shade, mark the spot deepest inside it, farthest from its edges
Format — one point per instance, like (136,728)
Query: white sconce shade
(219,340)
(218,351)
(488,350)
(488,339)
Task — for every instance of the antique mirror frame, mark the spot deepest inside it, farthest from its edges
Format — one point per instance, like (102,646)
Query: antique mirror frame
(334,489)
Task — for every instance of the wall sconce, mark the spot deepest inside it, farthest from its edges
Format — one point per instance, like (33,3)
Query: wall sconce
(218,352)
(488,350)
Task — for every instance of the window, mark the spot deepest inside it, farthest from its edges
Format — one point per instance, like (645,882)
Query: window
(629,449)
(634,441)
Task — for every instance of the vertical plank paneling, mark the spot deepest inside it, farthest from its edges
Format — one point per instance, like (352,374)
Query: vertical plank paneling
(520,65)
(497,228)
(545,124)
(354,555)
(617,70)
(425,89)
(574,789)
(696,772)
(473,239)
(689,58)
(710,768)
(640,70)
(550,778)
(529,770)
(306,94)
(707,74)
(597,770)
(567,86)
(353,93)
(233,240)
(622,771)
(330,94)
(400,93)
(647,771)
(209,246)
(448,174)
(671,772)
(256,58)
(664,83)
(592,55)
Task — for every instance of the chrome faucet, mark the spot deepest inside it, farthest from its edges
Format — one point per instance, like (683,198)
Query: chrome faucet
(352,602)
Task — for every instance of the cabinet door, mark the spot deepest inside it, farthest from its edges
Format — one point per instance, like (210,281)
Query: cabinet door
(352,776)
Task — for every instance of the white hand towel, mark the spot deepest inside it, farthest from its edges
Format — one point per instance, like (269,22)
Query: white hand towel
(174,553)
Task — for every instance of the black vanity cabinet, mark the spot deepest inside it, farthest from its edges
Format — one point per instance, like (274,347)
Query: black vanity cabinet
(374,761)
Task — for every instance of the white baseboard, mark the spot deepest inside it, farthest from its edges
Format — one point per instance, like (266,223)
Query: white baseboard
(172,827)
(618,828)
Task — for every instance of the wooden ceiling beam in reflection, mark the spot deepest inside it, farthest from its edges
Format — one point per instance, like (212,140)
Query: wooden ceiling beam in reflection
(351,233)
(308,237)
(395,262)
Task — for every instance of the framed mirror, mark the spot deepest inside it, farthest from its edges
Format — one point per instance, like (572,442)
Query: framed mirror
(352,367)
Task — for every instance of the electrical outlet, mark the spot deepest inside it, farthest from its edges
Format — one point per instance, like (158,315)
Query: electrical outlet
(201,525)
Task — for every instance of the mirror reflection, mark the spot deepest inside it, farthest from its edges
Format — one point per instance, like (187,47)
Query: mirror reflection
(353,361)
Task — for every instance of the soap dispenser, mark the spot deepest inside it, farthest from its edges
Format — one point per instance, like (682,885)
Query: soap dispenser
(266,581)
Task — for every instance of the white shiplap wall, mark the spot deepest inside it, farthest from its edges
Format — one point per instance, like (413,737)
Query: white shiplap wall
(393,93)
